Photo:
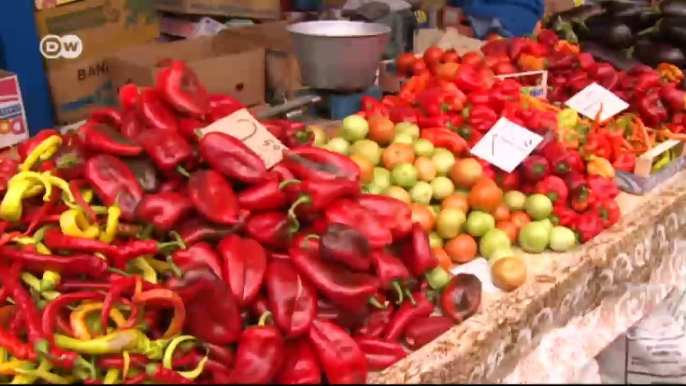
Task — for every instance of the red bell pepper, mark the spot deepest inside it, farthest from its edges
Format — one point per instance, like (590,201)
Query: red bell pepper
(461,298)
(155,112)
(311,163)
(346,245)
(422,331)
(259,355)
(296,134)
(564,216)
(273,229)
(307,241)
(213,197)
(496,47)
(417,254)
(468,79)
(582,199)
(196,229)
(167,150)
(674,97)
(406,314)
(104,139)
(482,118)
(263,197)
(376,323)
(652,112)
(300,366)
(428,122)
(432,102)
(230,156)
(646,82)
(326,310)
(342,359)
(554,188)
(128,96)
(112,179)
(188,127)
(508,181)
(625,162)
(399,114)
(586,62)
(441,137)
(317,195)
(587,226)
(181,89)
(132,125)
(602,187)
(391,212)
(608,210)
(198,255)
(606,75)
(222,105)
(380,353)
(106,116)
(347,290)
(535,168)
(373,108)
(292,300)
(163,210)
(245,263)
(348,212)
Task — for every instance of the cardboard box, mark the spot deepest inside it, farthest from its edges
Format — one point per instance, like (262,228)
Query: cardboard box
(253,9)
(223,66)
(45,4)
(103,26)
(79,88)
(13,128)
(189,29)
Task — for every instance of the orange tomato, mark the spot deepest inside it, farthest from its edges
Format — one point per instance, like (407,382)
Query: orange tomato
(510,228)
(485,195)
(519,219)
(457,201)
(424,216)
(366,168)
(425,168)
(444,260)
(471,57)
(381,130)
(466,172)
(397,153)
(447,70)
(501,213)
(462,249)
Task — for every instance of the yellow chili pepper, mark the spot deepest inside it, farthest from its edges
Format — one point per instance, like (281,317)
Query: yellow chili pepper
(11,367)
(60,184)
(113,214)
(77,319)
(111,377)
(35,284)
(159,266)
(4,355)
(87,195)
(670,72)
(46,376)
(43,151)
(73,222)
(41,183)
(127,365)
(11,207)
(598,166)
(148,271)
(169,354)
(45,365)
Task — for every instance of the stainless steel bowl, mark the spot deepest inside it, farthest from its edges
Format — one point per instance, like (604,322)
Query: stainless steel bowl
(339,55)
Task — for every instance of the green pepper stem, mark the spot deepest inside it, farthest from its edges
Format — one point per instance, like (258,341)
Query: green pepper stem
(183,171)
(264,318)
(399,290)
(118,272)
(88,366)
(199,133)
(147,232)
(291,213)
(178,238)
(303,244)
(285,183)
(409,296)
(374,302)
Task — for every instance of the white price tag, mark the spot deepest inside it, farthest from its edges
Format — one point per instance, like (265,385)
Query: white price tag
(506,145)
(588,101)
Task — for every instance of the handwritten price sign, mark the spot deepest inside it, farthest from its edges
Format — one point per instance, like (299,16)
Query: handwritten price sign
(588,101)
(506,145)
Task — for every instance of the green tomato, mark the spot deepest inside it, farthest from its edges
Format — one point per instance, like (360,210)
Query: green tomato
(562,239)
(495,239)
(404,175)
(368,149)
(423,148)
(435,241)
(515,200)
(407,128)
(375,189)
(449,222)
(320,135)
(443,187)
(354,128)
(398,193)
(443,161)
(421,193)
(534,237)
(479,223)
(548,224)
(338,145)
(538,206)
(404,138)
(382,178)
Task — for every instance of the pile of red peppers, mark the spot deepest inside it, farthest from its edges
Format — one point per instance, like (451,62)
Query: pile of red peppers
(139,248)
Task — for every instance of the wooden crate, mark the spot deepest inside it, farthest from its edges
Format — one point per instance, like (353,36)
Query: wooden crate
(643,180)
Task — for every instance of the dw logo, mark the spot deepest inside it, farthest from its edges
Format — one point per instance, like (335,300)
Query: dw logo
(55,47)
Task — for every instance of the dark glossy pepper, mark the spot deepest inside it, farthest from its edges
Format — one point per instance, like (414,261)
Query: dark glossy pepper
(312,163)
(422,331)
(231,157)
(348,212)
(112,180)
(213,196)
(345,245)
(144,171)
(198,255)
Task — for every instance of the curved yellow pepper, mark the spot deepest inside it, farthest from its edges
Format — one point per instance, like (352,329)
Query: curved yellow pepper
(74,223)
(598,166)
(149,273)
(77,319)
(113,214)
(60,184)
(36,179)
(11,207)
(43,151)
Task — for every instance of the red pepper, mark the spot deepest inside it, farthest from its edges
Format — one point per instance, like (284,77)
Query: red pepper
(196,229)
(427,122)
(276,128)
(674,97)
(273,229)
(132,125)
(104,139)
(112,180)
(307,241)
(232,157)
(155,112)
(344,244)
(399,114)
(15,346)
(259,355)
(652,112)
(588,226)
(300,366)
(407,313)
(296,134)
(372,107)
(317,195)
(135,248)
(461,298)
(391,271)
(417,253)
(263,197)
(326,310)
(602,187)
(598,145)
(576,181)
(25,147)
(441,137)
(608,211)
(163,210)
(554,188)
(586,62)
(56,240)
(380,353)
(292,300)
(564,216)
(245,262)
(535,168)
(128,96)
(391,212)
(213,196)
(167,150)
(222,105)
(348,212)
(198,255)
(106,116)
(342,359)
(181,88)
(349,291)
(496,48)
(582,198)
(312,163)
(422,331)
(646,82)
(482,118)
(468,79)
(606,75)
(376,322)
(625,162)
(508,181)
(69,265)
(8,168)
(479,97)
(159,374)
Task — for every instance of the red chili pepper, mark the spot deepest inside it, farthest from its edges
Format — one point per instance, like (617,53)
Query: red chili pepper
(482,118)
(163,210)
(54,239)
(625,162)
(564,216)
(273,229)
(198,255)
(245,263)
(376,323)
(24,148)
(107,116)
(344,244)
(588,225)
(349,291)
(535,168)
(391,272)
(15,346)
(598,145)
(213,196)
(196,229)
(136,248)
(112,179)
(292,300)
(417,253)
(342,359)
(155,112)
(181,88)
(300,366)
(608,210)
(554,188)
(406,314)
(422,331)
(259,355)
(230,156)
(312,163)
(101,138)
(380,353)
(69,265)
(168,150)
(445,138)
(118,287)
(348,212)
(160,374)
(602,187)
(116,361)
(391,212)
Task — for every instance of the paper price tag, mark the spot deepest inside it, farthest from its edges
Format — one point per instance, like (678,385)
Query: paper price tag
(252,133)
(506,145)
(587,102)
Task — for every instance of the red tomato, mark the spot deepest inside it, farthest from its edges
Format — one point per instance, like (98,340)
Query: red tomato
(433,55)
(504,68)
(405,62)
(450,56)
(419,67)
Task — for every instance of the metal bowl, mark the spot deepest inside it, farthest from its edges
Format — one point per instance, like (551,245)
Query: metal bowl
(339,55)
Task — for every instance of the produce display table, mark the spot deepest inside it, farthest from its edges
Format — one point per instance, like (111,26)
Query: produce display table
(598,290)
